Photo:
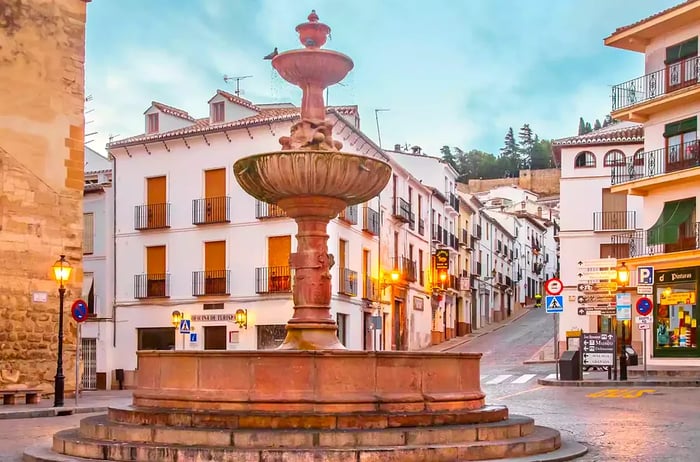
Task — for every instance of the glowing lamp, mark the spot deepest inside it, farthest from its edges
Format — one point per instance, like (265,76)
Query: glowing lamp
(62,270)
(242,318)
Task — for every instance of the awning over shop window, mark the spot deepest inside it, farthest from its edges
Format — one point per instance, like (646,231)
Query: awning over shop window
(666,228)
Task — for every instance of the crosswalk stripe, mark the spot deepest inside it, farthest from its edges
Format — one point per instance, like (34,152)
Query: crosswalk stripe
(498,379)
(523,378)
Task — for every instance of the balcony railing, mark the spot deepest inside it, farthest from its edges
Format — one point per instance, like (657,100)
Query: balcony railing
(265,210)
(402,210)
(453,201)
(465,241)
(421,226)
(273,279)
(217,282)
(675,76)
(407,268)
(477,231)
(657,162)
(370,288)
(478,269)
(445,237)
(437,233)
(616,220)
(636,243)
(370,221)
(151,285)
(152,216)
(454,242)
(349,214)
(347,282)
(211,210)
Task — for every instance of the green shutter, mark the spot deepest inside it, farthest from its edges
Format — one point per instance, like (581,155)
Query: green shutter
(666,228)
(682,126)
(682,50)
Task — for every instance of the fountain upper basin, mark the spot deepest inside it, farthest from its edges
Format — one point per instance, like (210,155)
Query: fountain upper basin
(320,67)
(274,176)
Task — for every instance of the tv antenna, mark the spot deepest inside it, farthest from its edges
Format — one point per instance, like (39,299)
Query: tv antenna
(376,116)
(238,81)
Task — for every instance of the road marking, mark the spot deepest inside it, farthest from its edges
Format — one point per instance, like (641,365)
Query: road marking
(523,378)
(519,393)
(498,379)
(620,393)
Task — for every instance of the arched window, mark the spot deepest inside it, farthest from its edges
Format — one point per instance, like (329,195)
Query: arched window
(614,157)
(584,159)
(639,157)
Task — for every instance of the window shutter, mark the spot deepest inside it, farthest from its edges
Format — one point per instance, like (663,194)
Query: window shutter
(682,51)
(88,232)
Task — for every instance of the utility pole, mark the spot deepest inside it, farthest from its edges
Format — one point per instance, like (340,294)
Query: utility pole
(376,116)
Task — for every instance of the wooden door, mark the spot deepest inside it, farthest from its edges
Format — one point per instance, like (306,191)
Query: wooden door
(215,268)
(156,200)
(214,337)
(614,214)
(215,195)
(155,271)
(279,249)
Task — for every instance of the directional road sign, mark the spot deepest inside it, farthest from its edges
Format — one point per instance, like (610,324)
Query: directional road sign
(554,303)
(598,263)
(596,298)
(185,326)
(553,286)
(598,349)
(603,287)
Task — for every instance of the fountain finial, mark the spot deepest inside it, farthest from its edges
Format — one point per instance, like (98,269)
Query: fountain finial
(313,34)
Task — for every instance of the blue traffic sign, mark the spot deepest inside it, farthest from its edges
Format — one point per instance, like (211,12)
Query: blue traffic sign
(79,310)
(644,306)
(193,337)
(185,326)
(554,303)
(645,275)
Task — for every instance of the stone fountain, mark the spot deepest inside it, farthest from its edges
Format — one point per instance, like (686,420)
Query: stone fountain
(311,399)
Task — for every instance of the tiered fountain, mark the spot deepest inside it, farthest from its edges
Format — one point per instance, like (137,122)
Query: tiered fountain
(311,399)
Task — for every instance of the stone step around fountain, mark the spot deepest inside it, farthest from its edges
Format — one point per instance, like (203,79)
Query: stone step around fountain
(261,420)
(100,428)
(540,440)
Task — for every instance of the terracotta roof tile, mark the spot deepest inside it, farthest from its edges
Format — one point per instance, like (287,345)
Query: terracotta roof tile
(653,16)
(238,100)
(621,132)
(173,111)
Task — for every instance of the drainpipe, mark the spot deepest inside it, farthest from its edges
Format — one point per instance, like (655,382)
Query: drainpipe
(114,250)
(380,278)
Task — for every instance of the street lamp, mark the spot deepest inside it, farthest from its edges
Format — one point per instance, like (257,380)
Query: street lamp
(623,277)
(61,272)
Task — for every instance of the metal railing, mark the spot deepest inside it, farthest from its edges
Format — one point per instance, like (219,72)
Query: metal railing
(370,220)
(673,77)
(477,231)
(152,216)
(421,226)
(265,210)
(636,243)
(273,279)
(347,282)
(437,233)
(453,201)
(657,162)
(216,282)
(211,210)
(349,214)
(402,210)
(614,220)
(454,242)
(370,288)
(151,285)
(407,268)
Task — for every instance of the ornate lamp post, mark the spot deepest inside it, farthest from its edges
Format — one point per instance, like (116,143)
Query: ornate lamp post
(623,277)
(61,272)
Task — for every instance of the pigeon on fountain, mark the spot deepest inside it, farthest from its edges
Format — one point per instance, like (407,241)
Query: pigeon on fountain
(272,54)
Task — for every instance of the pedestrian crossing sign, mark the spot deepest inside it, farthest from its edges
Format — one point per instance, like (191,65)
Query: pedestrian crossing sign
(554,303)
(184,326)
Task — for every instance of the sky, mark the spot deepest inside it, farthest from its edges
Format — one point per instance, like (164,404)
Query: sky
(450,72)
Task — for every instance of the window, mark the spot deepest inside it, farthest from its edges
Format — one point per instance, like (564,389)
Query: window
(342,320)
(584,159)
(89,292)
(681,144)
(681,67)
(614,157)
(421,276)
(217,112)
(156,338)
(88,233)
(152,123)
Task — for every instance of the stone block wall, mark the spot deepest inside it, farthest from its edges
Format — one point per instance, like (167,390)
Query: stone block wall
(42,55)
(543,182)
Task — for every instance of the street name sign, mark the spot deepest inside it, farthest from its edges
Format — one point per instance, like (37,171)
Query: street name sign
(644,326)
(598,349)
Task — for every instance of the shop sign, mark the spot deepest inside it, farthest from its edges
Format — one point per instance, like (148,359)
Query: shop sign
(442,259)
(678,298)
(678,275)
(213,317)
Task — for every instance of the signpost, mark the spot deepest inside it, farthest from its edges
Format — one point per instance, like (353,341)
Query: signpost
(79,312)
(597,284)
(555,304)
(598,349)
(644,308)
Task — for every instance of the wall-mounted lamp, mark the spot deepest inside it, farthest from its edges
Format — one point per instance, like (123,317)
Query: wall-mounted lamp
(242,318)
(390,278)
(623,275)
(175,318)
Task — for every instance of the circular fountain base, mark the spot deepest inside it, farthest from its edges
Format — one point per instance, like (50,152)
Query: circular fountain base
(300,406)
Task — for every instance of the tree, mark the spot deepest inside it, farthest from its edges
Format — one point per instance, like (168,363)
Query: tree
(608,120)
(588,128)
(448,157)
(581,126)
(527,145)
(509,160)
(541,154)
(597,125)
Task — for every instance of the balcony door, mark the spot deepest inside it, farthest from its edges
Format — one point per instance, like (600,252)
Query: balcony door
(155,271)
(279,249)
(614,214)
(156,199)
(215,268)
(681,145)
(366,275)
(681,65)
(215,195)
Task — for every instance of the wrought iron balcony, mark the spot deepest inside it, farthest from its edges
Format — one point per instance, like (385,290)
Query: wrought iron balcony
(152,285)
(437,233)
(152,216)
(636,243)
(370,220)
(273,279)
(453,200)
(454,242)
(370,288)
(349,214)
(445,237)
(211,210)
(347,282)
(407,268)
(477,231)
(478,269)
(421,226)
(657,162)
(619,220)
(265,210)
(402,210)
(656,84)
(216,282)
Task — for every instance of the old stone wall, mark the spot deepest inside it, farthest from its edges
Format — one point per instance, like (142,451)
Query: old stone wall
(543,182)
(42,55)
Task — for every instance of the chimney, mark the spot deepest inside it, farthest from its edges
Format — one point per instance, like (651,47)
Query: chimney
(397,147)
(416,149)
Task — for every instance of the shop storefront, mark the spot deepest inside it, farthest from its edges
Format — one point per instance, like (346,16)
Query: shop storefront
(676,313)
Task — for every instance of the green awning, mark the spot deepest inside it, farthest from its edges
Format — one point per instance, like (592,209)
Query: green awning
(682,126)
(682,51)
(666,228)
